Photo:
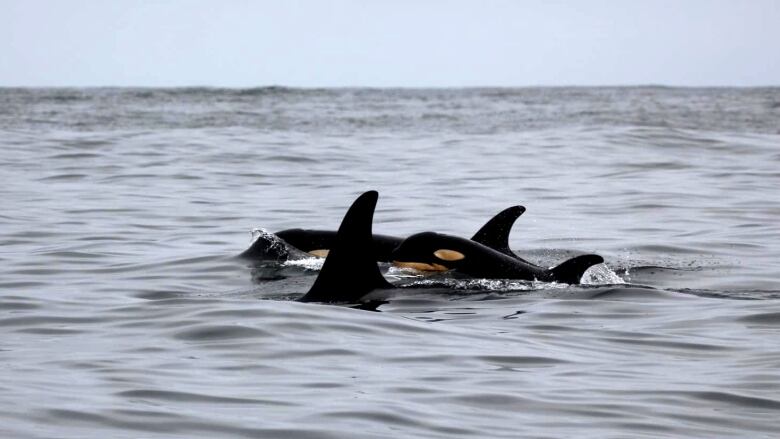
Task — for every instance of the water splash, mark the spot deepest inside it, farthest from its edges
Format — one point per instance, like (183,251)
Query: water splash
(310,263)
(601,274)
(474,284)
(267,245)
(261,233)
(406,273)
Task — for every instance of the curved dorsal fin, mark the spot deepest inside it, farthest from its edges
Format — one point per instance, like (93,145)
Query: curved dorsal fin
(495,233)
(350,270)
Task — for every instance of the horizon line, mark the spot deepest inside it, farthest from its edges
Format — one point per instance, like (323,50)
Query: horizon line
(381,87)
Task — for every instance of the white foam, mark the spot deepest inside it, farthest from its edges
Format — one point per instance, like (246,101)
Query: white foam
(601,274)
(312,263)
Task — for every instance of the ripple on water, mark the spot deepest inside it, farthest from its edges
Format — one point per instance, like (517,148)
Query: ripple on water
(164,395)
(126,314)
(764,319)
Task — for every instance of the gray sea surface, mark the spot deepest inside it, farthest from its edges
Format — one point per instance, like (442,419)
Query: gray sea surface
(125,312)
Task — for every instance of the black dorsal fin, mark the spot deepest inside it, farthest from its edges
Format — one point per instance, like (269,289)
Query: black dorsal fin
(350,271)
(571,271)
(495,233)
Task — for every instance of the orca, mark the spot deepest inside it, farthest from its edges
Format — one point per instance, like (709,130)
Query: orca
(494,234)
(350,270)
(440,252)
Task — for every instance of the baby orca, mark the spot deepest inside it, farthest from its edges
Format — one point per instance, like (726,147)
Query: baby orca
(494,234)
(435,251)
(350,270)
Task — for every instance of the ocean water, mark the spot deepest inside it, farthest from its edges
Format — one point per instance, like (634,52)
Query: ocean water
(125,312)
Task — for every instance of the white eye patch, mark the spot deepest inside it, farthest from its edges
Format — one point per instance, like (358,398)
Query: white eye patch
(448,255)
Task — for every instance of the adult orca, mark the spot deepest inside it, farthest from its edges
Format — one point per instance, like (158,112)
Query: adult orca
(350,270)
(435,251)
(494,234)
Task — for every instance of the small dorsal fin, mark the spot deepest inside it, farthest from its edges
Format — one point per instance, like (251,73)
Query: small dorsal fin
(495,233)
(350,271)
(571,271)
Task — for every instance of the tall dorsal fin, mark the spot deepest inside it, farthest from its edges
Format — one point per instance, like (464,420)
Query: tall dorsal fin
(350,270)
(571,271)
(495,233)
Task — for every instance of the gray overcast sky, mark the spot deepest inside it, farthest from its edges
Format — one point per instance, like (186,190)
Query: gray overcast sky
(242,43)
